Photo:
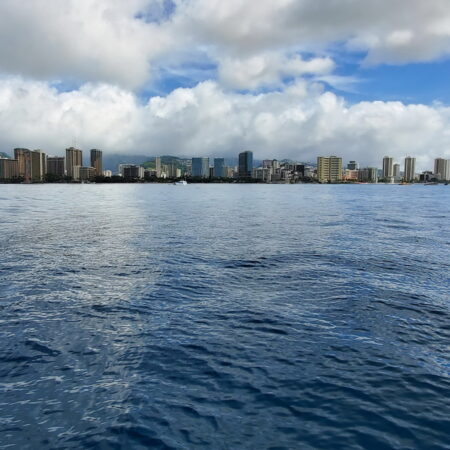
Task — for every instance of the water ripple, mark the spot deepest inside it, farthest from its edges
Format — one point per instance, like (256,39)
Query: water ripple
(269,317)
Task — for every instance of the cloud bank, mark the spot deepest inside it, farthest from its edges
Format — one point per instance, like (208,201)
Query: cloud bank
(299,122)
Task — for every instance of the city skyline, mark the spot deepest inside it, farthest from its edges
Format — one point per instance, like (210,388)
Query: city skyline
(234,156)
(282,79)
(35,166)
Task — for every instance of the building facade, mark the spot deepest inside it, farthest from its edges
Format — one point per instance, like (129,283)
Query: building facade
(219,167)
(9,169)
(442,169)
(263,174)
(329,169)
(56,166)
(38,166)
(74,157)
(410,169)
(353,165)
(23,157)
(97,161)
(200,167)
(351,175)
(158,166)
(173,171)
(388,168)
(133,172)
(245,165)
(32,165)
(368,175)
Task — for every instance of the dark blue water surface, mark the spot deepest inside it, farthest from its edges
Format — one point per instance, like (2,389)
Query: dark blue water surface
(224,316)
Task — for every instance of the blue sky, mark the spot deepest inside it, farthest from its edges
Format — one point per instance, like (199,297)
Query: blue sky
(425,83)
(289,79)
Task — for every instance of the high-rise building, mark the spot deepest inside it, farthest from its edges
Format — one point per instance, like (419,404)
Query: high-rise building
(263,174)
(158,166)
(87,173)
(38,166)
(97,161)
(132,171)
(219,167)
(83,173)
(352,165)
(173,171)
(368,175)
(410,169)
(397,171)
(200,167)
(56,165)
(388,167)
(245,164)
(74,157)
(9,169)
(23,156)
(351,175)
(442,169)
(32,165)
(229,172)
(329,169)
(76,173)
(427,176)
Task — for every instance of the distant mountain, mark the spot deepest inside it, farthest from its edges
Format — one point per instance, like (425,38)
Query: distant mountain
(4,155)
(166,159)
(111,161)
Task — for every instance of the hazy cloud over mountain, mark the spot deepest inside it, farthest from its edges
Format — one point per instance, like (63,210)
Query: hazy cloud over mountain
(267,70)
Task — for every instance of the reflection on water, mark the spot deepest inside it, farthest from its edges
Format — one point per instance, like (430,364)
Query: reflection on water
(136,316)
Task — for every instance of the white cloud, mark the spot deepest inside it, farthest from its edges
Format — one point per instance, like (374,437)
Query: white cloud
(300,123)
(390,31)
(113,41)
(90,40)
(269,70)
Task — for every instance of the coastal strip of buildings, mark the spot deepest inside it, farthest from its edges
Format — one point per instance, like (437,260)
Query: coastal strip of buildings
(35,166)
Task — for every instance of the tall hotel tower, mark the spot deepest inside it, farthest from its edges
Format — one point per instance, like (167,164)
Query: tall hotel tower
(38,166)
(74,157)
(442,169)
(329,169)
(23,156)
(388,167)
(158,166)
(410,169)
(200,167)
(219,167)
(96,161)
(245,165)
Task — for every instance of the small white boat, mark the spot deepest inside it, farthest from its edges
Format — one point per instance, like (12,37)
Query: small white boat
(180,183)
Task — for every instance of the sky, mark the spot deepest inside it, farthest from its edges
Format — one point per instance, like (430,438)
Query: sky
(286,79)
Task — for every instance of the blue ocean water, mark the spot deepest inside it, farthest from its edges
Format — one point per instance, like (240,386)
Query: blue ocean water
(224,316)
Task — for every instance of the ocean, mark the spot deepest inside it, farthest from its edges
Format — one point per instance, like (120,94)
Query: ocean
(224,316)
